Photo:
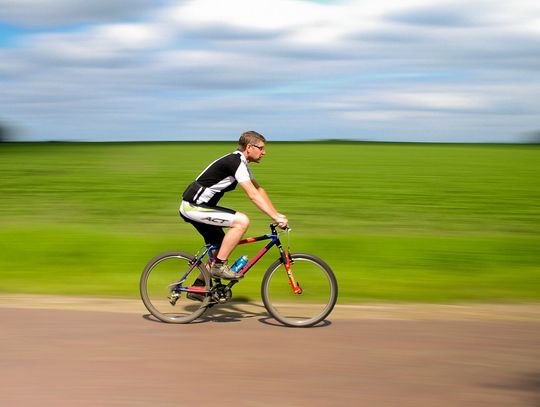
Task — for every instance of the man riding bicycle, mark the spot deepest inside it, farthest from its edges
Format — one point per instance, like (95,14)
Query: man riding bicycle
(200,199)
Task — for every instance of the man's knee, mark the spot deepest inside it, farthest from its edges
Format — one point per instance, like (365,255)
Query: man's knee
(241,220)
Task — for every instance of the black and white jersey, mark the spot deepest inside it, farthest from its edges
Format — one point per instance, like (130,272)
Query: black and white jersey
(221,176)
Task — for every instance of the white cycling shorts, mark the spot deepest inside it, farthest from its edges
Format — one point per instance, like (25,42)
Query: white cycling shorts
(210,215)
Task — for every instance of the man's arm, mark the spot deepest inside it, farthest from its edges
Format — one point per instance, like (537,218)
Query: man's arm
(260,198)
(263,194)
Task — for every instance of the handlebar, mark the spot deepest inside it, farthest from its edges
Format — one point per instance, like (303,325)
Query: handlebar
(273,226)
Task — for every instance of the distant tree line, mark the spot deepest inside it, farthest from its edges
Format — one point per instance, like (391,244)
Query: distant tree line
(6,133)
(3,133)
(534,137)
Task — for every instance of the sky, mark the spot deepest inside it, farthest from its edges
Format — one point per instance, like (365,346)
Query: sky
(385,70)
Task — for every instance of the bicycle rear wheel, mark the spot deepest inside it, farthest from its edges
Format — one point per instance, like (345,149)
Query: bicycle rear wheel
(318,296)
(163,294)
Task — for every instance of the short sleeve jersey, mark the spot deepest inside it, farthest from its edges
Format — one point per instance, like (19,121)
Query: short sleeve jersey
(221,176)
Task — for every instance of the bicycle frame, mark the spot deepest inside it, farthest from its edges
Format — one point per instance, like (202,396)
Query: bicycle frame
(274,241)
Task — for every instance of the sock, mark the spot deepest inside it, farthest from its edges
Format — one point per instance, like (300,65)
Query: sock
(219,262)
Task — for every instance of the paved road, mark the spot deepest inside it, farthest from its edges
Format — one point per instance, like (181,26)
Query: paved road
(52,357)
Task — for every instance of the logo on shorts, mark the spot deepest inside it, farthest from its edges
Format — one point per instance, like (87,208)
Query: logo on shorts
(215,220)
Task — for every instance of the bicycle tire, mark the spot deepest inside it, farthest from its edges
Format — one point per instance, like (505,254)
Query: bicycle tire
(319,291)
(155,288)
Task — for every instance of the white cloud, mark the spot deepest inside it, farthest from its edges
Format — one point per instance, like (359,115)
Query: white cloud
(131,36)
(270,15)
(355,68)
(440,100)
(51,13)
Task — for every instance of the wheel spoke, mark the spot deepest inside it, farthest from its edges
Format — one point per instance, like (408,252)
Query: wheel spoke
(318,291)
(161,289)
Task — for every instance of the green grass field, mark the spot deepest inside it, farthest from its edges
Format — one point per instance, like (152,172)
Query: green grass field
(397,222)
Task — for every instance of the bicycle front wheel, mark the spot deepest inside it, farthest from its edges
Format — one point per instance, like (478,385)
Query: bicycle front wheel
(318,295)
(163,293)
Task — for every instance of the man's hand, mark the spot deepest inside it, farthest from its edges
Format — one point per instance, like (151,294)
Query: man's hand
(281,221)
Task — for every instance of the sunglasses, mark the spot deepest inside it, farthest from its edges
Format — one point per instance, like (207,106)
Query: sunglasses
(261,148)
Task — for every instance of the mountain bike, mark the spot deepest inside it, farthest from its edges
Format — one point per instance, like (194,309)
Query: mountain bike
(298,289)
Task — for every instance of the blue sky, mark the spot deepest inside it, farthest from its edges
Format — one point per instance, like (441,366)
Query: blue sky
(414,70)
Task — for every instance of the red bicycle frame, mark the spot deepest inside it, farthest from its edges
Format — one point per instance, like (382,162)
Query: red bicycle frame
(274,241)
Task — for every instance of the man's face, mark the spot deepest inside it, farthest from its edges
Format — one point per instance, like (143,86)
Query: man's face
(255,152)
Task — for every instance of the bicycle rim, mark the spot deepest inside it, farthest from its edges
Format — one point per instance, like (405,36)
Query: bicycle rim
(313,305)
(162,294)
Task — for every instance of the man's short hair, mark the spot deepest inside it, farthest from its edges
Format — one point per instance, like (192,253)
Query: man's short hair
(249,137)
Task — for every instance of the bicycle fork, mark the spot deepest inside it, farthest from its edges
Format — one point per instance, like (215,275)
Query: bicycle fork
(286,258)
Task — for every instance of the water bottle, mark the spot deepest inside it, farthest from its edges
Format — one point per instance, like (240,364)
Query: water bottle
(239,264)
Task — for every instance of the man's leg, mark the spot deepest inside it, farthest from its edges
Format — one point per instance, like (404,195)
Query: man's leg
(238,227)
(219,269)
(212,235)
(208,218)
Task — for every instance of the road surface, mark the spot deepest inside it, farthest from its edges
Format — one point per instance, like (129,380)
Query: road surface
(61,355)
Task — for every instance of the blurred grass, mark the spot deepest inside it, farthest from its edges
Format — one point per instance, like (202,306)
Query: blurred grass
(397,222)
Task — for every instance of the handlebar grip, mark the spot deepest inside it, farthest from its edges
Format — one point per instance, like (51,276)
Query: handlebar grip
(285,228)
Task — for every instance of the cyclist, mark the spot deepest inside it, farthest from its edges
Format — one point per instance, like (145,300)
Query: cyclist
(200,199)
